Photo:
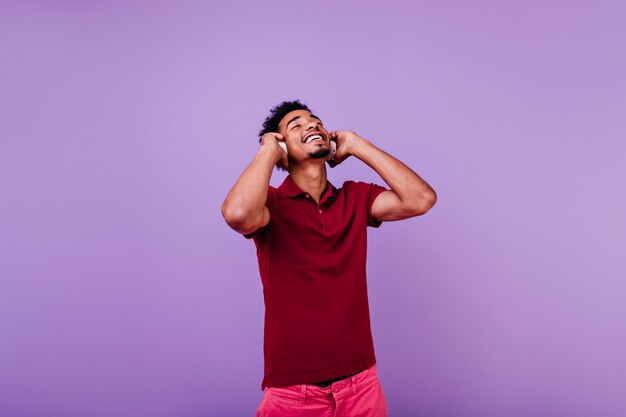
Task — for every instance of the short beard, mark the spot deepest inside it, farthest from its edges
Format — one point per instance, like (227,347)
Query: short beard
(320,153)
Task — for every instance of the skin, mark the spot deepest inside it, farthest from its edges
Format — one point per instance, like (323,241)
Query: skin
(244,208)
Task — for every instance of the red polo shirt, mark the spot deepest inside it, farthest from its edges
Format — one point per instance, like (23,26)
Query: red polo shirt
(312,264)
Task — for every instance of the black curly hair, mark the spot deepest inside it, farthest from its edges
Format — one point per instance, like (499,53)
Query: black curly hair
(277,113)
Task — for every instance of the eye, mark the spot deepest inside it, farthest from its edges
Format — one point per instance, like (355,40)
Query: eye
(293,127)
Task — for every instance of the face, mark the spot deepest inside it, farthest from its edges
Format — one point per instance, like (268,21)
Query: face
(305,135)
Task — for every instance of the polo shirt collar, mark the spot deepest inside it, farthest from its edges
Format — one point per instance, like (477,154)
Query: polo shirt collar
(291,189)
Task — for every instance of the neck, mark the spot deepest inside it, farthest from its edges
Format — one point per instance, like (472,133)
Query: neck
(311,178)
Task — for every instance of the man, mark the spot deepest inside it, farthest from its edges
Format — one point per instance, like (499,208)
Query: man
(311,247)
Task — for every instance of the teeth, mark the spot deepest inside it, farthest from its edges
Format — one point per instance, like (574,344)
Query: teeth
(312,138)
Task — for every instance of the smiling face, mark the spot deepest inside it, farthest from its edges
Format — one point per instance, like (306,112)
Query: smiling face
(305,136)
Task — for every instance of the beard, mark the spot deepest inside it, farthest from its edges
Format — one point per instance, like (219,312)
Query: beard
(320,153)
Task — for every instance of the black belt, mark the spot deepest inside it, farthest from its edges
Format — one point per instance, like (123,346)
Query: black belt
(324,384)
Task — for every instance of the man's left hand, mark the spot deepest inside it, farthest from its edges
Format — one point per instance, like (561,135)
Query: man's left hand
(345,140)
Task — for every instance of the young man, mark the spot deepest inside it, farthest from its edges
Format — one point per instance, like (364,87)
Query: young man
(311,247)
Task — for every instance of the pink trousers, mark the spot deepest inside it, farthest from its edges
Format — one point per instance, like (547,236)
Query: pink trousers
(360,395)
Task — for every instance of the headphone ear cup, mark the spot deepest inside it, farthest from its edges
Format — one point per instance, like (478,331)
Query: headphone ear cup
(333,150)
(284,146)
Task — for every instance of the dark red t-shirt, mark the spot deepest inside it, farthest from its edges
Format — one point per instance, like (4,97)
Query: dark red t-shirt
(312,264)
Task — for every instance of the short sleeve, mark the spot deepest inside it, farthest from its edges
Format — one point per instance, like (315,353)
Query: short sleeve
(374,191)
(269,203)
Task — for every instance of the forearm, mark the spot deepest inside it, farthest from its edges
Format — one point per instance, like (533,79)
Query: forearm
(245,203)
(408,186)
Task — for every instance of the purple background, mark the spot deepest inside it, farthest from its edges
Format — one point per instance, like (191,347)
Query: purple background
(122,127)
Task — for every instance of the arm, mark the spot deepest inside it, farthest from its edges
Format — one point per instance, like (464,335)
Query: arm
(244,208)
(409,196)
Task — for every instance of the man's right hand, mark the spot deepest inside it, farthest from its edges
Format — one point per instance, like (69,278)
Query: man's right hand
(270,140)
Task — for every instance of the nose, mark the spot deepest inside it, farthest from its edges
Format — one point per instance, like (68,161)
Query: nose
(311,124)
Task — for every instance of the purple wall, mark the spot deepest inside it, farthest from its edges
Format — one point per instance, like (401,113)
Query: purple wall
(123,292)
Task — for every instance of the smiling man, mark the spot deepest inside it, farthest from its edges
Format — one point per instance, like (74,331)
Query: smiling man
(311,246)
